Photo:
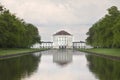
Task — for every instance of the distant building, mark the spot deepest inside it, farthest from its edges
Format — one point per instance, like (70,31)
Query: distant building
(46,45)
(62,39)
(43,45)
(80,44)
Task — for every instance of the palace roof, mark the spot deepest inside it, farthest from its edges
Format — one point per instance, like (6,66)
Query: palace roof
(62,32)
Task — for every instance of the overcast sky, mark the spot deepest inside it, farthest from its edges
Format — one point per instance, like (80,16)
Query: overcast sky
(50,16)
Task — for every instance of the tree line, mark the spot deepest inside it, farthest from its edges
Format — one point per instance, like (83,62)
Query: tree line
(15,32)
(105,33)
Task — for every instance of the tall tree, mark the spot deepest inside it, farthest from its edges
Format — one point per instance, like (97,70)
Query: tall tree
(15,33)
(102,33)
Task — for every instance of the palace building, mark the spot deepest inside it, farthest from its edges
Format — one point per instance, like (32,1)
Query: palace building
(62,39)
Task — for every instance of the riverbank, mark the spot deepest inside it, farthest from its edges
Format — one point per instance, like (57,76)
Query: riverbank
(111,53)
(5,53)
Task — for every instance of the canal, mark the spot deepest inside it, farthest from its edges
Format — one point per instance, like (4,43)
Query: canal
(59,65)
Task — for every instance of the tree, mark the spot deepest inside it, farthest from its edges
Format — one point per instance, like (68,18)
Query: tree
(102,33)
(15,33)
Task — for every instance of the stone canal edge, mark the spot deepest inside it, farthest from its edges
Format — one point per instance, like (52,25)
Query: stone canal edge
(102,55)
(18,54)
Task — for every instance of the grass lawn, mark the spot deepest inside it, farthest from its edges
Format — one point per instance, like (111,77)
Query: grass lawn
(112,52)
(4,52)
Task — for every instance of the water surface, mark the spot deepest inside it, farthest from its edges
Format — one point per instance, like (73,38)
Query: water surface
(59,65)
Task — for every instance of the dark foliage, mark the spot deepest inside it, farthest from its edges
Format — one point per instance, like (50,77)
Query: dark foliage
(14,32)
(106,32)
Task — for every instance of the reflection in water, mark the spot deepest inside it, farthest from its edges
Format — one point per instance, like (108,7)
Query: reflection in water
(19,67)
(62,57)
(81,67)
(104,69)
(76,70)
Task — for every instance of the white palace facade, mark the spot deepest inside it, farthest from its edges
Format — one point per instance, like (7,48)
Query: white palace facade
(61,40)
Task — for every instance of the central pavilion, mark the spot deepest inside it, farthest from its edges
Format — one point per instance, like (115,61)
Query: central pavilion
(62,39)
